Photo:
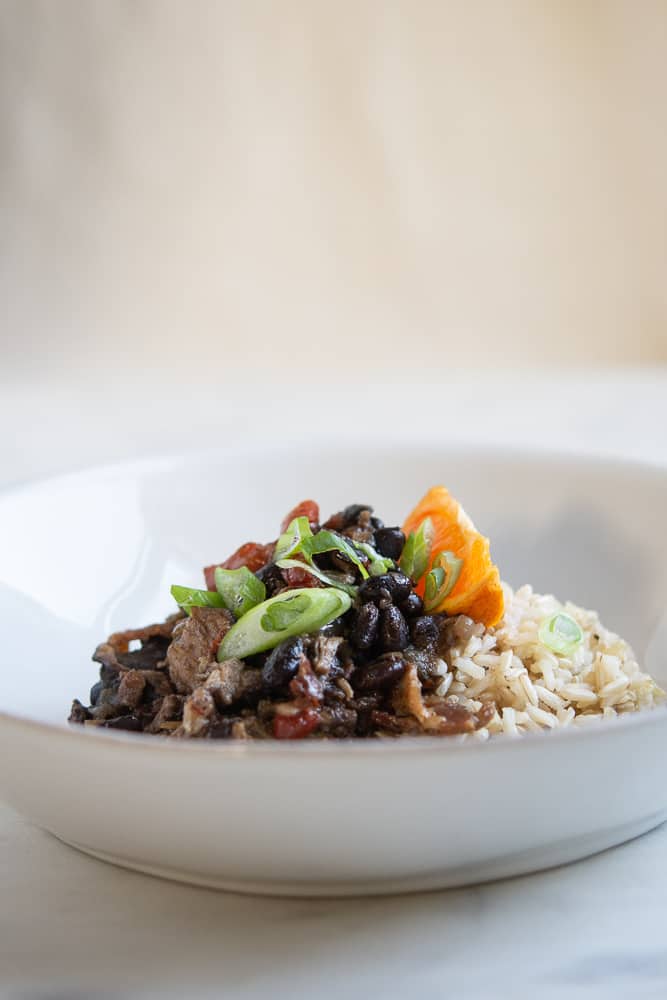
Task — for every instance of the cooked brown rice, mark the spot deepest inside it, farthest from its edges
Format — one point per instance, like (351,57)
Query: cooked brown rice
(533,687)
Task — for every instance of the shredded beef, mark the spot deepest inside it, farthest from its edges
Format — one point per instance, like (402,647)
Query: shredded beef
(191,655)
(131,688)
(232,683)
(198,713)
(168,716)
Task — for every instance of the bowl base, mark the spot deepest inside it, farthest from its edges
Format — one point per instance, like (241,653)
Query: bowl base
(522,863)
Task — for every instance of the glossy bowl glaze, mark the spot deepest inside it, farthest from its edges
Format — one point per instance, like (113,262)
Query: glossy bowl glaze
(85,554)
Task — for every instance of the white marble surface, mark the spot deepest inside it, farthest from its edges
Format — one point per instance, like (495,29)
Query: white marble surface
(71,926)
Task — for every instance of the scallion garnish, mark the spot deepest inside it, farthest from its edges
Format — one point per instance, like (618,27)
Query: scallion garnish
(294,612)
(561,634)
(290,541)
(378,564)
(329,541)
(299,540)
(417,551)
(188,597)
(330,579)
(441,579)
(239,589)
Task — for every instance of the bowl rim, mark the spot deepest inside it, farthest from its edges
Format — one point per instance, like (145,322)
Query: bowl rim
(650,467)
(338,749)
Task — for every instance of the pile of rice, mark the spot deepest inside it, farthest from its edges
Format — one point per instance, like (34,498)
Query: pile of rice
(535,688)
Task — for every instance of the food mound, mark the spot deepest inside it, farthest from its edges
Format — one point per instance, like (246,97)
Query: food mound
(349,628)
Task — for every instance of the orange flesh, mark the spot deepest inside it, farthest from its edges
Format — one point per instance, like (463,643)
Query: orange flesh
(477,592)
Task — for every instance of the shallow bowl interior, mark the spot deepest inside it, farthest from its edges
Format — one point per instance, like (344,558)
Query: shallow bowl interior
(85,554)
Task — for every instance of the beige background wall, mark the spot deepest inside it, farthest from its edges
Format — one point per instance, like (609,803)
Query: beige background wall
(396,184)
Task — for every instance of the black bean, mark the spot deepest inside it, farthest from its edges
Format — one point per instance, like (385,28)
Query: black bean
(380,674)
(394,632)
(425,632)
(412,605)
(282,664)
(398,585)
(95,692)
(377,523)
(129,722)
(389,542)
(336,627)
(221,730)
(365,629)
(272,579)
(374,589)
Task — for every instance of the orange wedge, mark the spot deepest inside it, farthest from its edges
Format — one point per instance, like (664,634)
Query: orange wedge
(477,592)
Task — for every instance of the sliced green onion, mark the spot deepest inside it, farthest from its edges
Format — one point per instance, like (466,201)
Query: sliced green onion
(417,551)
(187,598)
(239,589)
(330,579)
(294,612)
(434,582)
(330,541)
(561,633)
(300,540)
(441,580)
(283,614)
(378,564)
(290,541)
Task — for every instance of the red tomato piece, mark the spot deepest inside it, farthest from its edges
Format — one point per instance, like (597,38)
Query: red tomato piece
(295,727)
(307,508)
(295,577)
(252,554)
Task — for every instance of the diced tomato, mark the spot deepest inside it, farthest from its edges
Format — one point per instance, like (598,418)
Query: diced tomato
(307,508)
(252,554)
(295,727)
(295,577)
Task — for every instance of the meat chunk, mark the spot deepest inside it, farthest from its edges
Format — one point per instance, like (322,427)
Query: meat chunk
(121,640)
(169,715)
(324,654)
(224,681)
(115,654)
(191,655)
(338,721)
(233,682)
(131,688)
(158,685)
(408,699)
(441,717)
(388,724)
(458,719)
(198,714)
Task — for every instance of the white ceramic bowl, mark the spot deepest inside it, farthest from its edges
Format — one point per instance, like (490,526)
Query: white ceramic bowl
(85,554)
